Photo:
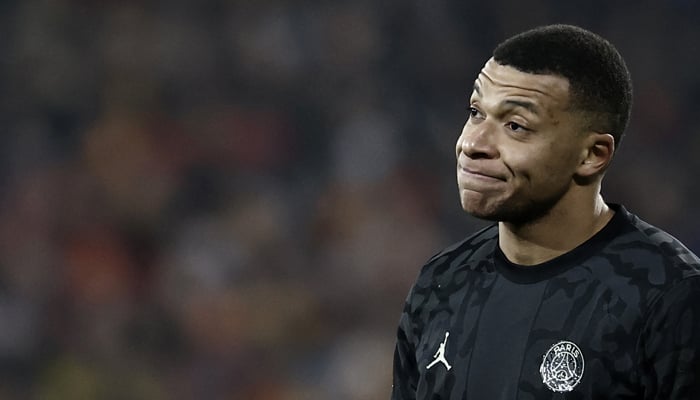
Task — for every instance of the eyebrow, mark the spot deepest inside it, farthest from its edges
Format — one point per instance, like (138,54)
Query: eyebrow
(530,106)
(524,104)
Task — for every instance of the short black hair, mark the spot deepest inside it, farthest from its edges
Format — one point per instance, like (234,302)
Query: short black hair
(600,85)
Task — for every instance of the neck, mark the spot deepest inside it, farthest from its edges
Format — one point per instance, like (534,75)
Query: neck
(564,228)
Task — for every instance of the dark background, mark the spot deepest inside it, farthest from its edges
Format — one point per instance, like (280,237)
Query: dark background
(230,199)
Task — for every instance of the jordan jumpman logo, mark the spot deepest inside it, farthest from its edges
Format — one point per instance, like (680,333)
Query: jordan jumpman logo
(440,355)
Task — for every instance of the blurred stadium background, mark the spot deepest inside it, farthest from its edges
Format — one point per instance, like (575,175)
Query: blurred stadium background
(230,199)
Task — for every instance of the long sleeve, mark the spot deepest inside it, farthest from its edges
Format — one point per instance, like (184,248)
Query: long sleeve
(670,345)
(405,378)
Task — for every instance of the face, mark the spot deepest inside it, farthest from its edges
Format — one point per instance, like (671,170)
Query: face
(520,147)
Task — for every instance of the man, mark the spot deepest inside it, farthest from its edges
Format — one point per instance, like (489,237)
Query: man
(565,296)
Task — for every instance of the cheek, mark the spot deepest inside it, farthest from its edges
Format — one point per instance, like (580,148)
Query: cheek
(543,165)
(564,159)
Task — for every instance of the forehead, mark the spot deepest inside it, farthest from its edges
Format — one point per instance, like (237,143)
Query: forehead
(501,81)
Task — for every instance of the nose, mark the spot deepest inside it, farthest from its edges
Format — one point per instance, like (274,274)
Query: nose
(477,141)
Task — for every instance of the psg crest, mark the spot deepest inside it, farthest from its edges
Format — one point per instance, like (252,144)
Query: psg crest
(562,367)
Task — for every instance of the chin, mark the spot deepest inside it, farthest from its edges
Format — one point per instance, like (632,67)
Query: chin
(484,214)
(481,210)
(517,213)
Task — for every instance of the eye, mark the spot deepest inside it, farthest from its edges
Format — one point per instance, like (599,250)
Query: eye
(473,112)
(516,127)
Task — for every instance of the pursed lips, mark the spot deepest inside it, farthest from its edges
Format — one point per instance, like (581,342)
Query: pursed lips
(481,174)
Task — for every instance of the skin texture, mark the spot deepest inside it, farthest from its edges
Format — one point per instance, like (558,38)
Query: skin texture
(525,160)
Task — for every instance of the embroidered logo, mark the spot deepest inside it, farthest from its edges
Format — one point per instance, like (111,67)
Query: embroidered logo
(440,355)
(562,367)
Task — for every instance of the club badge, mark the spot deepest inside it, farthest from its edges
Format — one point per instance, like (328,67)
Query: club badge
(562,367)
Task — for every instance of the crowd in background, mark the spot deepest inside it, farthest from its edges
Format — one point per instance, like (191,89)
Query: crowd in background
(230,199)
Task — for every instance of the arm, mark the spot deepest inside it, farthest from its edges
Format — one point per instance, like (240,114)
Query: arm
(405,378)
(669,345)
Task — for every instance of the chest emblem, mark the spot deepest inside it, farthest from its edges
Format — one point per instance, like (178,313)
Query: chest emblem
(562,367)
(440,355)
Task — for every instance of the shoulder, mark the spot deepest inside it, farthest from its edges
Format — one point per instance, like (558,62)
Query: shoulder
(474,252)
(643,262)
(645,245)
(443,274)
(475,248)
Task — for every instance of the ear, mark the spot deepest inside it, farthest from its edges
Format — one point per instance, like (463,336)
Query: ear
(597,154)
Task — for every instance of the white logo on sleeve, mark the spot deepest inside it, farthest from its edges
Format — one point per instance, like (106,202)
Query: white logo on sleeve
(440,355)
(562,367)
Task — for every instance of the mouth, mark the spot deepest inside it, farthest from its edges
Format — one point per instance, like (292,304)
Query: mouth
(479,174)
